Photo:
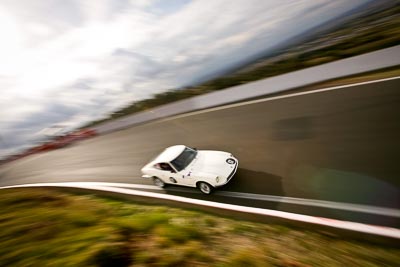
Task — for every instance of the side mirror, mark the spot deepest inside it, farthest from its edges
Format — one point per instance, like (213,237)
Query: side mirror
(195,148)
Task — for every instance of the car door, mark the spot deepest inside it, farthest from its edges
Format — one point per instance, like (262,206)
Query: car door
(169,174)
(186,178)
(180,178)
(183,178)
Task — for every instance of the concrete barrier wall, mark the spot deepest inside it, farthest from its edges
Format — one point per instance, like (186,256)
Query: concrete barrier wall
(367,62)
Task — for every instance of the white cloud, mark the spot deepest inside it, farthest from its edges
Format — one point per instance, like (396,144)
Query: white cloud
(87,58)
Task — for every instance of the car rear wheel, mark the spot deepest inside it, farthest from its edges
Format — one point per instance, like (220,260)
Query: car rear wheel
(158,182)
(205,188)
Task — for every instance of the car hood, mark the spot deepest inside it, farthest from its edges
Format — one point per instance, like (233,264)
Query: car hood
(211,162)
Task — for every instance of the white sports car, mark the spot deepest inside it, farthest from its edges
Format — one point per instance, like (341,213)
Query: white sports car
(182,165)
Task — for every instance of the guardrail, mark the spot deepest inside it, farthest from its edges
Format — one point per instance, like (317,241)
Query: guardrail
(367,62)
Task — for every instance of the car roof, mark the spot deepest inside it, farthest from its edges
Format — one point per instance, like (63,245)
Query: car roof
(169,154)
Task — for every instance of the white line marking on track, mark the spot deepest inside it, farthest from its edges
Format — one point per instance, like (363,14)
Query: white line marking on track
(290,200)
(316,203)
(270,99)
(280,199)
(352,226)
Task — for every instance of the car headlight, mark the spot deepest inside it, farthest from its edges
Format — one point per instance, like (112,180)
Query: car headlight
(217,179)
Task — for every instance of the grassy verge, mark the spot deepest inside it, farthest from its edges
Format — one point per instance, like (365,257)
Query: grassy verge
(51,228)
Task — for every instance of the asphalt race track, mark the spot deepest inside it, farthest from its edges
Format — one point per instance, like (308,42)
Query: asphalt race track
(339,145)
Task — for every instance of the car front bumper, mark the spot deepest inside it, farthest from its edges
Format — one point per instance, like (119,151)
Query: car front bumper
(230,176)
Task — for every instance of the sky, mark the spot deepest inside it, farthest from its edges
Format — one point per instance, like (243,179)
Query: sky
(68,62)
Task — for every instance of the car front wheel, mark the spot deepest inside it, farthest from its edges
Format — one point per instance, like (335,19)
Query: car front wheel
(205,188)
(158,182)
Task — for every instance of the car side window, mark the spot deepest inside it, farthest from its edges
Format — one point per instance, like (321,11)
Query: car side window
(157,166)
(166,167)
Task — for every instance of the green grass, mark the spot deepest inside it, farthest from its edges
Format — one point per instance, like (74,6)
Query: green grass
(44,227)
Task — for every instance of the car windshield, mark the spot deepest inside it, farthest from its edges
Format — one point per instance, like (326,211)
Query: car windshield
(184,159)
